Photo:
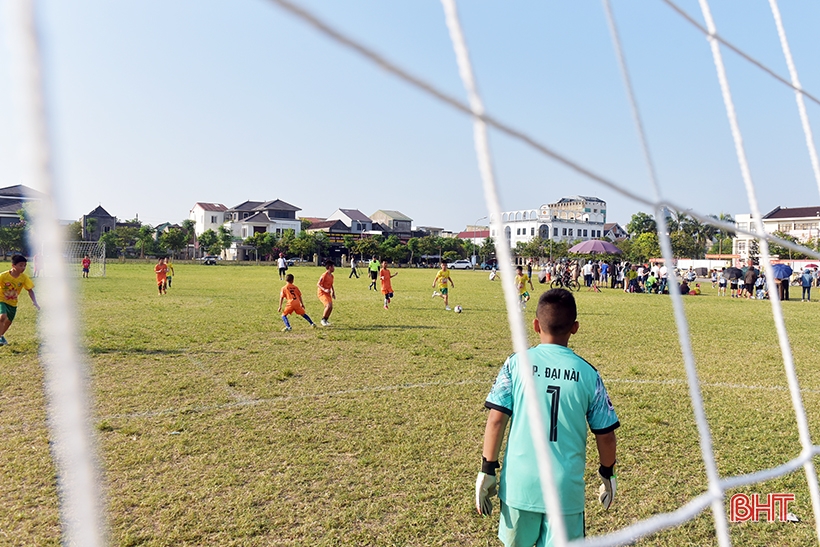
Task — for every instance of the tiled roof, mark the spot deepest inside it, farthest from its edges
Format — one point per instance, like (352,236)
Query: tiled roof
(794,212)
(395,215)
(355,214)
(277,205)
(211,206)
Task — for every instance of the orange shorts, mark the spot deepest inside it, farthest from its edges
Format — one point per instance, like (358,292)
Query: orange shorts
(293,307)
(324,297)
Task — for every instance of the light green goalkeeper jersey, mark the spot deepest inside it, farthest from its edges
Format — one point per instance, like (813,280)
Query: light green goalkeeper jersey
(572,396)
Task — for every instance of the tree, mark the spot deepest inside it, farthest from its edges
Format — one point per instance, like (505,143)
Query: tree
(487,249)
(305,224)
(350,245)
(74,231)
(368,247)
(780,250)
(644,247)
(303,245)
(145,237)
(413,248)
(90,228)
(320,243)
(173,239)
(641,223)
(224,237)
(683,245)
(208,240)
(286,242)
(189,227)
(12,238)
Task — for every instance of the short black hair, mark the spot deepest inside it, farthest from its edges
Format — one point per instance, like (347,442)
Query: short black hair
(557,311)
(16,259)
(329,262)
(289,278)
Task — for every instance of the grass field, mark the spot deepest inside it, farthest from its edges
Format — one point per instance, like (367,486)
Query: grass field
(215,428)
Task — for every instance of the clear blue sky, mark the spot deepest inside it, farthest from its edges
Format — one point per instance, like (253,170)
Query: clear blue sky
(157,105)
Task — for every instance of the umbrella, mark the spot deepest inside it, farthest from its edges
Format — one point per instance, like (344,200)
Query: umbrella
(781,271)
(811,266)
(732,273)
(595,246)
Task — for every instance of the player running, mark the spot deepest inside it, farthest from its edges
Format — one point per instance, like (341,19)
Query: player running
(521,280)
(326,292)
(161,269)
(387,285)
(12,283)
(440,284)
(293,295)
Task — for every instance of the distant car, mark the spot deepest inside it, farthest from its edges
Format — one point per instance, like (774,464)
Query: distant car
(209,260)
(489,265)
(460,265)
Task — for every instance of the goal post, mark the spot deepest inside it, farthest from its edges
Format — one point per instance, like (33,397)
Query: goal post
(75,251)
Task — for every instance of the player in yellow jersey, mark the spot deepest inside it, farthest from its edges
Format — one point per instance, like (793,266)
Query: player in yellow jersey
(440,284)
(12,283)
(521,280)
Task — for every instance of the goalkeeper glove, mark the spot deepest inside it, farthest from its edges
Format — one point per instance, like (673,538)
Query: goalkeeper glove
(485,487)
(606,492)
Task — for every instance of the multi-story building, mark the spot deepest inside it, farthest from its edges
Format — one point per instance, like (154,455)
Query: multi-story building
(802,223)
(568,219)
(12,199)
(207,216)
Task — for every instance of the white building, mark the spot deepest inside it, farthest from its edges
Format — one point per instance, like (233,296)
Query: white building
(253,217)
(569,219)
(207,216)
(354,219)
(802,223)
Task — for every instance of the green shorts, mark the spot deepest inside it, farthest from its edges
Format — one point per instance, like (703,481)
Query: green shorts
(442,290)
(8,310)
(519,528)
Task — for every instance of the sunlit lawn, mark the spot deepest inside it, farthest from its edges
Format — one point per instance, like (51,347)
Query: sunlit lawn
(215,428)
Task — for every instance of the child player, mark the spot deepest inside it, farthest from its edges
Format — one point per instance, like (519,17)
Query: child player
(440,284)
(387,285)
(12,282)
(521,280)
(326,292)
(574,398)
(293,295)
(170,273)
(86,265)
(161,269)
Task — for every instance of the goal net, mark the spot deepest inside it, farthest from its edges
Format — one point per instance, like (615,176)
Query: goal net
(76,251)
(75,459)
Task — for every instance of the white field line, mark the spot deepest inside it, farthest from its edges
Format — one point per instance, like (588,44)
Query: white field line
(244,401)
(400,387)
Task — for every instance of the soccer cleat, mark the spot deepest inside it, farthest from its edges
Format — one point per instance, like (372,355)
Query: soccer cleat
(286,329)
(447,308)
(3,341)
(313,325)
(435,294)
(385,306)
(325,323)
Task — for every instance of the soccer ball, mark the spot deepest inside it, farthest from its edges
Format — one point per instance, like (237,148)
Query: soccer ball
(457,309)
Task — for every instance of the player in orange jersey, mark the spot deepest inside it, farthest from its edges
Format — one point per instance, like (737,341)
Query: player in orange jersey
(387,286)
(161,269)
(293,295)
(326,292)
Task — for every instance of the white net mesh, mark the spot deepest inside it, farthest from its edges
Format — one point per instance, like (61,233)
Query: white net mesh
(74,444)
(717,486)
(76,251)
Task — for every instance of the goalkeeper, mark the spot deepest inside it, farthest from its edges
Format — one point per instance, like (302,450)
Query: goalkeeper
(572,396)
